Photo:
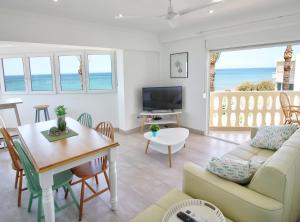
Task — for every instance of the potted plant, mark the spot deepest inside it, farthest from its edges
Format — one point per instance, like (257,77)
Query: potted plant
(154,129)
(61,113)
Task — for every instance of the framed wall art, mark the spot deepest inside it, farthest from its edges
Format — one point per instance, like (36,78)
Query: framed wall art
(179,65)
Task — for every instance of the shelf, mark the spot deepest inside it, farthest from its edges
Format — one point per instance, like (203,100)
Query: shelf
(162,121)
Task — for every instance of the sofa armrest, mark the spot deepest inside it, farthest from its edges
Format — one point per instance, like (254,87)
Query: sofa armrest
(236,202)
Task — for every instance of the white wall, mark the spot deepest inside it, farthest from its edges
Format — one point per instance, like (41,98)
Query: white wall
(194,86)
(102,107)
(27,27)
(141,69)
(297,73)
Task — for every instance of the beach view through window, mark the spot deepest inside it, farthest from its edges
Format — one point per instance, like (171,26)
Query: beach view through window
(249,65)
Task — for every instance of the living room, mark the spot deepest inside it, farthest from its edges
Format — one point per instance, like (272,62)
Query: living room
(140,51)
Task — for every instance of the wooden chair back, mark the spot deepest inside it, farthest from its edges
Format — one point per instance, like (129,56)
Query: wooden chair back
(85,119)
(285,104)
(11,149)
(106,129)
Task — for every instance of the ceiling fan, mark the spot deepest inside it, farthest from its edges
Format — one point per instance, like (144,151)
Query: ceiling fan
(171,13)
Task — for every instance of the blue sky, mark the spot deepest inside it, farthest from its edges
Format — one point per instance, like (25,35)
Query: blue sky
(253,58)
(68,64)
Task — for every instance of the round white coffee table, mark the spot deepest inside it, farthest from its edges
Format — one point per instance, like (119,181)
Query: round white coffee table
(167,141)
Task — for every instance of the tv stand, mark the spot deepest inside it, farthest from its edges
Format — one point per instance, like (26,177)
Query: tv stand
(168,117)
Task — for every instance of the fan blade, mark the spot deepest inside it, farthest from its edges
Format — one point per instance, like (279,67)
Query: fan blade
(189,10)
(171,24)
(120,17)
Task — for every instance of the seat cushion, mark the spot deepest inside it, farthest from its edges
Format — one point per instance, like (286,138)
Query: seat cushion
(88,169)
(156,212)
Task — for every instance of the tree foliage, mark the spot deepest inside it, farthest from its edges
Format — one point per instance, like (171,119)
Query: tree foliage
(267,85)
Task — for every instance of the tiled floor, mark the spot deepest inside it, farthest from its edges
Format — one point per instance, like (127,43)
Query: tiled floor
(142,179)
(232,136)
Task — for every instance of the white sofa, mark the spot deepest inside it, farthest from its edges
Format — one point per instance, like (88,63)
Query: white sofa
(273,195)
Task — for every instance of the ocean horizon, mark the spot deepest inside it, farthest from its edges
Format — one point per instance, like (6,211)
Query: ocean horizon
(68,82)
(229,79)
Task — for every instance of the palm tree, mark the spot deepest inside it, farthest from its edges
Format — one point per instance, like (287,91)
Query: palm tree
(288,54)
(214,56)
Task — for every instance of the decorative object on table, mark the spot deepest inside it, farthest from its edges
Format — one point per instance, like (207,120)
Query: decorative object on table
(179,65)
(61,113)
(54,134)
(199,210)
(154,129)
(238,171)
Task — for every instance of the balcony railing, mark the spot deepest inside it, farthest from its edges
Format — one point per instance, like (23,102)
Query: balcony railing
(241,109)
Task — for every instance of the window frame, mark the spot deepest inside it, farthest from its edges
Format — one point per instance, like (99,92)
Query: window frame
(2,79)
(113,74)
(52,65)
(57,72)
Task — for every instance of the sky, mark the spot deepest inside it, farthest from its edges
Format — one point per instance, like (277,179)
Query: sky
(68,64)
(253,58)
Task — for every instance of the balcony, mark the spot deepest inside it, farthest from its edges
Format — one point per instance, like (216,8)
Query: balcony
(240,110)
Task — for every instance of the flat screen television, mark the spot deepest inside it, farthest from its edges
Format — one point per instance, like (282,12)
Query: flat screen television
(162,98)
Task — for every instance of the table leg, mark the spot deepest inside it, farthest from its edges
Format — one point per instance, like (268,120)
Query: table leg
(170,156)
(177,120)
(46,181)
(112,156)
(17,115)
(147,146)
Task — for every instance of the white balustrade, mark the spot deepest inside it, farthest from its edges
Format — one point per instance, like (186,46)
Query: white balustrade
(244,109)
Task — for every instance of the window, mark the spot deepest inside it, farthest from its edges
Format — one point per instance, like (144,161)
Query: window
(99,72)
(70,70)
(41,74)
(13,75)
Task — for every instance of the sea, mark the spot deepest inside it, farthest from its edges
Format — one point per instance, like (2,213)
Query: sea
(68,82)
(226,79)
(229,79)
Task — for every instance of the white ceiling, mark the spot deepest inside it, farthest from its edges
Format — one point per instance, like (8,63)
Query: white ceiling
(104,11)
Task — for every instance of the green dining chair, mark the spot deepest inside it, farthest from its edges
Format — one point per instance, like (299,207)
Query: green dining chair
(61,180)
(85,119)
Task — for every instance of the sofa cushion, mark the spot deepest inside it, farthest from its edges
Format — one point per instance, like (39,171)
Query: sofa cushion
(272,137)
(239,171)
(245,151)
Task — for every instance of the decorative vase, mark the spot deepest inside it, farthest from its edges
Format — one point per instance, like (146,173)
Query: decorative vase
(154,133)
(61,123)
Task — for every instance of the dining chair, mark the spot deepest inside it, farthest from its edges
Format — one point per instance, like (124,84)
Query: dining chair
(61,180)
(85,119)
(16,164)
(93,168)
(291,112)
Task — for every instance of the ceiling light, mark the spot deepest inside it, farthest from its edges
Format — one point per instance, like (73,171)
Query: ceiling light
(55,0)
(211,11)
(119,16)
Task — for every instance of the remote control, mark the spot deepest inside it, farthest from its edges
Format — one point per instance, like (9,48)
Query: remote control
(185,217)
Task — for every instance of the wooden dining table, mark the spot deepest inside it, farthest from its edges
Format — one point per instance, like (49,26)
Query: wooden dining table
(50,158)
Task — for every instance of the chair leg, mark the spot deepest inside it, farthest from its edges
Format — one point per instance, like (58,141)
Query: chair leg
(81,199)
(30,202)
(97,181)
(20,187)
(72,195)
(39,213)
(16,179)
(67,190)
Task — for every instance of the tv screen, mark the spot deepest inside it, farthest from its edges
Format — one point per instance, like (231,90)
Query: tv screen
(162,98)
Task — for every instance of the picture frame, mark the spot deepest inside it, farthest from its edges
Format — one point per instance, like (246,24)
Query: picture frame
(179,65)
